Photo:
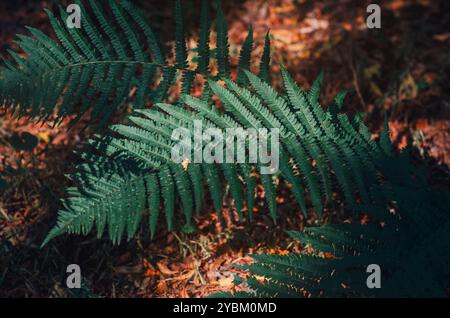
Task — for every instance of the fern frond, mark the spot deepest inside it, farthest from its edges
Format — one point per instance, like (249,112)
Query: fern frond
(109,194)
(147,143)
(264,65)
(203,43)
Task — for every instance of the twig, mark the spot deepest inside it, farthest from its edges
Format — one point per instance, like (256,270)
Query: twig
(352,67)
(2,211)
(197,262)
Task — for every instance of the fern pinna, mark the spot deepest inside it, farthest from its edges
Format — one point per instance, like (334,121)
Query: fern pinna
(106,62)
(132,170)
(407,237)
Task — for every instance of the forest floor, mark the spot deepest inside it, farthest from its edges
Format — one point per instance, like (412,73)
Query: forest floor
(401,69)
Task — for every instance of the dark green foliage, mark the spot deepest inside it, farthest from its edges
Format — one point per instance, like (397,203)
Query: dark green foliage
(408,238)
(222,42)
(343,154)
(97,66)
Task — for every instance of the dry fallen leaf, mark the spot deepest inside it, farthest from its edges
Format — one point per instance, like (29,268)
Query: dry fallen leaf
(280,200)
(149,269)
(161,287)
(328,255)
(165,270)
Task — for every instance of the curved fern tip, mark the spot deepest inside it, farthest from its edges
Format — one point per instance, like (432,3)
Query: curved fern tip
(50,236)
(111,186)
